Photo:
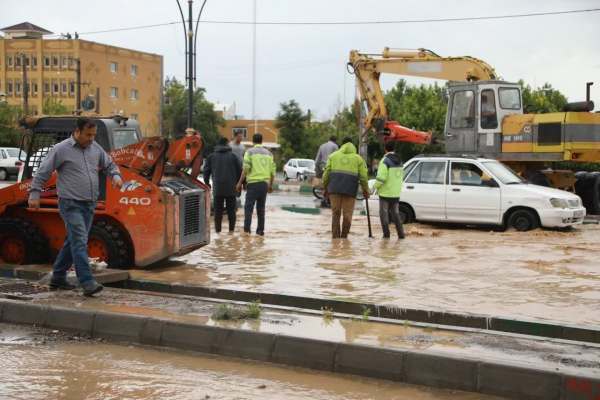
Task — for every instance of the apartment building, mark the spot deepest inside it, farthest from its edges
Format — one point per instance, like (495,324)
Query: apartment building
(118,80)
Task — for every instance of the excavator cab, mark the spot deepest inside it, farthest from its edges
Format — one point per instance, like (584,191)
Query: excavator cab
(475,114)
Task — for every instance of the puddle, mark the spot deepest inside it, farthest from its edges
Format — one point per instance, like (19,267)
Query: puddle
(107,371)
(438,268)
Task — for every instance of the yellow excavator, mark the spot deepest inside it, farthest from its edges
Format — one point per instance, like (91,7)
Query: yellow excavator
(485,118)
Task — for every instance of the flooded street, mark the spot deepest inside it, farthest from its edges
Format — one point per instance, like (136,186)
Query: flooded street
(541,274)
(39,365)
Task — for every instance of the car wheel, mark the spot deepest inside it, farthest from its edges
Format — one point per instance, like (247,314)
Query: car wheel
(3,174)
(523,220)
(406,214)
(285,177)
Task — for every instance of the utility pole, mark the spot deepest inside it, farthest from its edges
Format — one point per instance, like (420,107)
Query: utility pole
(254,67)
(78,84)
(190,62)
(25,86)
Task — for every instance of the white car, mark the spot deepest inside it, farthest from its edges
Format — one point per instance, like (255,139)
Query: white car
(299,168)
(482,191)
(9,162)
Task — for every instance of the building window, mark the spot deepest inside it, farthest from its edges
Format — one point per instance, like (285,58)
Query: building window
(17,61)
(46,87)
(64,61)
(134,116)
(134,70)
(54,61)
(114,67)
(63,88)
(235,131)
(71,88)
(34,88)
(18,88)
(9,87)
(114,92)
(46,61)
(70,61)
(134,95)
(55,87)
(33,62)
(9,61)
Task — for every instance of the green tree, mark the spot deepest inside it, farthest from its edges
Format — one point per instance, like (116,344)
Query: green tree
(292,124)
(543,99)
(53,106)
(10,134)
(205,119)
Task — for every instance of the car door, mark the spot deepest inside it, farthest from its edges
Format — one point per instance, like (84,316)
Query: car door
(468,198)
(424,190)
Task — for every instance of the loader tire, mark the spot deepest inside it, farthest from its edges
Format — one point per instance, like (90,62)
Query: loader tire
(109,243)
(21,242)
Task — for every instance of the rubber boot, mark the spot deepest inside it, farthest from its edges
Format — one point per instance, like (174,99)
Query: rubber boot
(400,229)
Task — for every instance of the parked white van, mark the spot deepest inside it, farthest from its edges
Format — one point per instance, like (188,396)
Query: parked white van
(9,162)
(474,190)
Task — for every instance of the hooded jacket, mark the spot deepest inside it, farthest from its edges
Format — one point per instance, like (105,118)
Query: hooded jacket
(390,175)
(344,170)
(225,168)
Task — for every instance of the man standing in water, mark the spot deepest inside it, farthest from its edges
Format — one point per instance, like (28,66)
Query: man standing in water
(343,172)
(388,184)
(77,161)
(259,172)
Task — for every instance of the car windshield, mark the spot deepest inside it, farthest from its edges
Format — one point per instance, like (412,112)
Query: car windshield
(506,175)
(12,152)
(306,163)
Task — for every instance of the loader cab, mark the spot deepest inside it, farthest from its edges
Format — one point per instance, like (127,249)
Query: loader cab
(112,133)
(475,114)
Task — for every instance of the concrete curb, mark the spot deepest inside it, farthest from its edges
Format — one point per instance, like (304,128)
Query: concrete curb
(476,321)
(423,368)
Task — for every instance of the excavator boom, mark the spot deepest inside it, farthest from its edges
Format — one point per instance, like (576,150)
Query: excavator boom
(422,63)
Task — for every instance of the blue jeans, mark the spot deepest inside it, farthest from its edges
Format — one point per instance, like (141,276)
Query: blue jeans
(77,216)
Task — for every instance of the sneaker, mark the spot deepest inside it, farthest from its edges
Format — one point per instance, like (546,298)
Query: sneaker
(91,288)
(61,285)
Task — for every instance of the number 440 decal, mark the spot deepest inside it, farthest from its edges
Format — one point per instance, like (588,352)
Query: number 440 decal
(135,201)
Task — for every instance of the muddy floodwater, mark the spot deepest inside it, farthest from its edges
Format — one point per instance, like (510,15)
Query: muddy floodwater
(542,274)
(44,365)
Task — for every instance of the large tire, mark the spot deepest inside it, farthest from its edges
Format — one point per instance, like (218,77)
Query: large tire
(588,188)
(21,242)
(522,220)
(406,214)
(108,243)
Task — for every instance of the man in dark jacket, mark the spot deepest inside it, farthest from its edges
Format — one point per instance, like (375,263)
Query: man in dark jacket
(225,168)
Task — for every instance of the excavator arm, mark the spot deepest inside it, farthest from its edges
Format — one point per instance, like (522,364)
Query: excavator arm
(422,63)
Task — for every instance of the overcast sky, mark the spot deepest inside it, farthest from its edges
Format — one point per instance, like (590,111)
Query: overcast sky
(307,63)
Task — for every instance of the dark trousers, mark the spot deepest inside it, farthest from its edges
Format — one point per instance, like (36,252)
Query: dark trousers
(389,207)
(229,203)
(256,193)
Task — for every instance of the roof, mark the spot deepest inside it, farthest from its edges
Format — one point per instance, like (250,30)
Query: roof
(25,26)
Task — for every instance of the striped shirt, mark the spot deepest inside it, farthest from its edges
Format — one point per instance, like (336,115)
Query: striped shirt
(77,169)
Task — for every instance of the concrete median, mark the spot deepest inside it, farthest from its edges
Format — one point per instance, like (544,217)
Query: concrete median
(411,366)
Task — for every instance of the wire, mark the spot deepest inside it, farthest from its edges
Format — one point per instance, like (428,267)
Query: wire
(406,21)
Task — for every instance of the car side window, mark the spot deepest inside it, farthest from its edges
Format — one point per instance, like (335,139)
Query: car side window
(465,174)
(3,154)
(430,172)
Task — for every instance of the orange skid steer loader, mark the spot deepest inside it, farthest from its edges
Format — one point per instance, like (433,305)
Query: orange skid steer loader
(162,209)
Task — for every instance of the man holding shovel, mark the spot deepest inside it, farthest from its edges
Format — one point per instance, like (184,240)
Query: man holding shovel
(343,172)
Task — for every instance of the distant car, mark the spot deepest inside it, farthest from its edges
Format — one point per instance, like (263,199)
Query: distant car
(482,191)
(9,162)
(299,168)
